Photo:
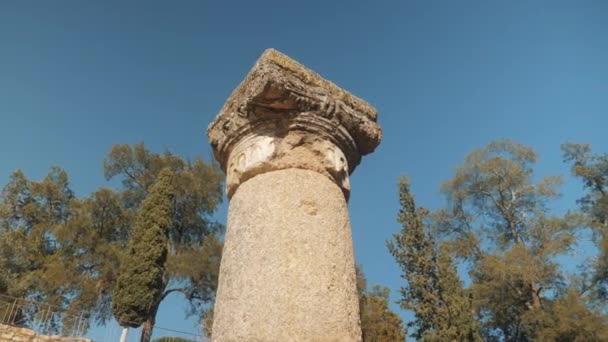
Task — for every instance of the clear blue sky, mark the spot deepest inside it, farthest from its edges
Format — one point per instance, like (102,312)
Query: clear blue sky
(446,77)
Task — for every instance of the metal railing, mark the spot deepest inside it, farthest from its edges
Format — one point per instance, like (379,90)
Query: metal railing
(45,319)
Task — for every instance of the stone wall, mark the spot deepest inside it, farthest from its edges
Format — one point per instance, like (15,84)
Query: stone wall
(10,333)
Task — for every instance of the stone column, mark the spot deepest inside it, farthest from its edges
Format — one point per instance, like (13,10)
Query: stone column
(288,140)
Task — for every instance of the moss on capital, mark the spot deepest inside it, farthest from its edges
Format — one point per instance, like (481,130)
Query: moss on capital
(313,79)
(278,95)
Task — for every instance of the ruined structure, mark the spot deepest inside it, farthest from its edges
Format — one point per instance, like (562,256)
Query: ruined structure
(16,334)
(288,141)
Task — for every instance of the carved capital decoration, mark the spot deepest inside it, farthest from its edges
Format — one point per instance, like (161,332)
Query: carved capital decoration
(284,115)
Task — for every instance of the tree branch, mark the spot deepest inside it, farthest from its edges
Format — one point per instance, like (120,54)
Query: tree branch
(186,292)
(183,290)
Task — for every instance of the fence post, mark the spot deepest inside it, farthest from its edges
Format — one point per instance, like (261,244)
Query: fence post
(9,321)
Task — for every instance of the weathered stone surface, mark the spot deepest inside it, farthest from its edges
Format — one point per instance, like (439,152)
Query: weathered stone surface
(288,141)
(16,334)
(284,115)
(288,271)
(296,149)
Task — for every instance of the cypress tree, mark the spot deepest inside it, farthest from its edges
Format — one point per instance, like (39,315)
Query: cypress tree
(433,292)
(414,253)
(455,312)
(194,246)
(140,283)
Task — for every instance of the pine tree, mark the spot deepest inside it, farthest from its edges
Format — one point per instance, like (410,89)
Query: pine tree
(59,249)
(142,278)
(593,171)
(568,319)
(378,322)
(31,214)
(497,221)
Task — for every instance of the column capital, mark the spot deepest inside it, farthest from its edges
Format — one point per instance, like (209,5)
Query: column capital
(284,115)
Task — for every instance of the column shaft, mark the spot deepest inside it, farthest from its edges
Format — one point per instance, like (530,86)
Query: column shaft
(287,271)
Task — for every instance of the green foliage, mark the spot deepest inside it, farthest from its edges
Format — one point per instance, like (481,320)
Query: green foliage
(441,307)
(455,318)
(198,186)
(156,230)
(31,213)
(415,254)
(593,171)
(91,244)
(567,319)
(194,244)
(172,339)
(66,251)
(198,191)
(207,322)
(378,322)
(58,249)
(140,282)
(497,220)
(14,263)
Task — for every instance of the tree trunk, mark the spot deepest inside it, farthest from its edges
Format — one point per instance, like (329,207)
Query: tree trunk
(536,303)
(123,336)
(148,326)
(146,329)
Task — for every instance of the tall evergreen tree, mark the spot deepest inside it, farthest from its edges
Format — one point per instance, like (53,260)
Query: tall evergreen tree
(141,280)
(415,254)
(194,242)
(442,309)
(455,314)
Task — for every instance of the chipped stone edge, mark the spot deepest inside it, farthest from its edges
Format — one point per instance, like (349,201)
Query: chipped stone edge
(359,119)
